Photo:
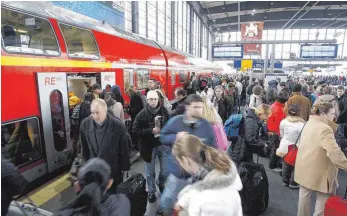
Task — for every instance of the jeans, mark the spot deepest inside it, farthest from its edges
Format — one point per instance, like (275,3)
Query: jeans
(169,197)
(287,173)
(162,152)
(275,161)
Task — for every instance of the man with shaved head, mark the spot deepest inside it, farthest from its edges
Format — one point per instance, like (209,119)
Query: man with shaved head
(147,126)
(105,137)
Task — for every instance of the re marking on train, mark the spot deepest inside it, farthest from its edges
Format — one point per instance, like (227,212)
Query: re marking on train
(48,191)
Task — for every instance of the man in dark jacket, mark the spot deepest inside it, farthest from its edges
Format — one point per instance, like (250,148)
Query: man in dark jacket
(105,137)
(191,122)
(178,108)
(147,125)
(341,135)
(12,184)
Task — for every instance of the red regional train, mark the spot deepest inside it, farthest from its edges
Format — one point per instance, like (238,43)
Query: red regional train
(45,51)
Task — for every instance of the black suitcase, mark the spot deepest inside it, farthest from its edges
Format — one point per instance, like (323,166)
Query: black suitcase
(255,192)
(134,188)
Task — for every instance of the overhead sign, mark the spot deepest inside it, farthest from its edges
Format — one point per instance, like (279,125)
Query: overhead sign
(227,51)
(252,32)
(258,63)
(312,51)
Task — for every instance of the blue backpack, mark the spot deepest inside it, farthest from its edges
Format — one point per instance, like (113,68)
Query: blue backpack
(232,125)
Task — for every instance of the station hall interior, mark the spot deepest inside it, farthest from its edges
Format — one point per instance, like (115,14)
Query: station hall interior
(54,53)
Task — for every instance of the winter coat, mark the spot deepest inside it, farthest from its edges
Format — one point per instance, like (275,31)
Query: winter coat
(178,108)
(277,115)
(240,88)
(223,107)
(271,95)
(319,157)
(143,128)
(216,194)
(117,110)
(201,129)
(252,127)
(302,102)
(113,149)
(117,93)
(273,84)
(342,102)
(329,99)
(290,129)
(250,89)
(135,105)
(255,101)
(115,205)
(84,111)
(12,184)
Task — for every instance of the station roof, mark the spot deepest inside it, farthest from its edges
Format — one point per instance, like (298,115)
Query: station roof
(224,15)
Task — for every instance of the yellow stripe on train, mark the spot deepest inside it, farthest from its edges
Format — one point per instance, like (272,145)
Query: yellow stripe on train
(44,62)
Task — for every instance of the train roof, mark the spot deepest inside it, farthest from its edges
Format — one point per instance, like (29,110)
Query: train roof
(49,10)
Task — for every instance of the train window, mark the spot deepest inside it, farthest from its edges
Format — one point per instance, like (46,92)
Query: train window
(173,77)
(22,33)
(128,78)
(58,121)
(80,42)
(20,141)
(183,76)
(142,78)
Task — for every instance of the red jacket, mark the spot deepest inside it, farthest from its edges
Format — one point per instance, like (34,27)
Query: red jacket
(276,117)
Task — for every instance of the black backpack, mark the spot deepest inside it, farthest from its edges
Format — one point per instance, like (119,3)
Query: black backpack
(255,192)
(134,188)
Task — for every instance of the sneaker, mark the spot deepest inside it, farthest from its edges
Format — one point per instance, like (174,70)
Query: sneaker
(151,197)
(277,170)
(160,212)
(285,184)
(294,186)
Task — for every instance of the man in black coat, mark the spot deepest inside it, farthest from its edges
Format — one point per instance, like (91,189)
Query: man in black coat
(179,107)
(147,125)
(105,137)
(12,184)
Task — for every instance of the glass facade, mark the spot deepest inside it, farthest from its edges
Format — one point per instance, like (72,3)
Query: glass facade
(156,19)
(290,51)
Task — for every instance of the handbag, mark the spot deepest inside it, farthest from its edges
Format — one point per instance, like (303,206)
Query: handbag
(290,157)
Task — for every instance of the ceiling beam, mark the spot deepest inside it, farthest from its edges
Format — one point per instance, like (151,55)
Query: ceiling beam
(331,18)
(295,14)
(303,14)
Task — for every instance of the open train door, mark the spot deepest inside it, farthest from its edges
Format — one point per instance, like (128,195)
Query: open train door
(55,118)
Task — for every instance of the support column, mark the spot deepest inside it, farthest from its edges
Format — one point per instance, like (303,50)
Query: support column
(146,19)
(135,17)
(201,36)
(173,32)
(272,59)
(266,58)
(191,29)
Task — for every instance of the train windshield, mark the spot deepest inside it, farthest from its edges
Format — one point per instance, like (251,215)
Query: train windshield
(22,33)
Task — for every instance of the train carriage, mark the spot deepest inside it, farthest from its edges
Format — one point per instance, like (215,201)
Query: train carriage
(46,50)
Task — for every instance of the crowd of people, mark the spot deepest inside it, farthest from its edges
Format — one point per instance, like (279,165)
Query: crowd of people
(199,157)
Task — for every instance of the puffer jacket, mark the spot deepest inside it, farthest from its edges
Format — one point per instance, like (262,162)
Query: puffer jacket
(342,101)
(290,129)
(277,115)
(216,194)
(329,99)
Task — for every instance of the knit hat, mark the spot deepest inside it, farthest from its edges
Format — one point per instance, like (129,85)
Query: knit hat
(109,99)
(74,101)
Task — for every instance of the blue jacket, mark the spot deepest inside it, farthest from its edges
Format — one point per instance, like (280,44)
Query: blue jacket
(201,129)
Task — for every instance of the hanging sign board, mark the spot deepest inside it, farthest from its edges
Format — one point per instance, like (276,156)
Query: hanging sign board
(252,32)
(227,51)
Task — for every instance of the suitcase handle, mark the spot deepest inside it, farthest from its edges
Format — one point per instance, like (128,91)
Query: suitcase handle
(29,204)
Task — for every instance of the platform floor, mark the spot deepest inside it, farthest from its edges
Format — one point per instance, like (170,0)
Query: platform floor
(283,201)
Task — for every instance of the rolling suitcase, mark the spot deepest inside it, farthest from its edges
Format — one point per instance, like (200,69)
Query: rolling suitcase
(134,187)
(336,206)
(26,209)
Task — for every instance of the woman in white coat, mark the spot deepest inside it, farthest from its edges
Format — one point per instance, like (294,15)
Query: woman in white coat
(215,182)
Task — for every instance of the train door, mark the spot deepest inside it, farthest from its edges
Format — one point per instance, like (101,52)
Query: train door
(55,118)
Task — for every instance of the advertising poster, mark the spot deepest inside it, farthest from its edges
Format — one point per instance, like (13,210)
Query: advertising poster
(252,32)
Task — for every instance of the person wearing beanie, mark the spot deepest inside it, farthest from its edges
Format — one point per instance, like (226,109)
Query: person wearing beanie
(256,98)
(300,100)
(114,108)
(328,97)
(94,180)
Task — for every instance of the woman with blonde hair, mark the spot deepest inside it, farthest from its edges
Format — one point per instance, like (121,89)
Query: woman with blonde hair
(215,182)
(211,115)
(164,102)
